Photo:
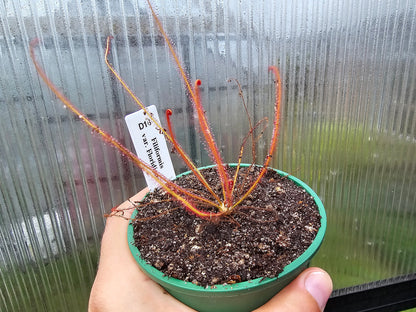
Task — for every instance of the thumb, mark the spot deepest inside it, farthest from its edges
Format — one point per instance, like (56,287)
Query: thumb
(308,292)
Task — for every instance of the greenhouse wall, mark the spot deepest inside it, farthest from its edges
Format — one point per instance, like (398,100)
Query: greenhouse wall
(348,124)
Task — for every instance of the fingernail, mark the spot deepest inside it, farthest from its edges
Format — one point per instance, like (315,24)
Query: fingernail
(318,285)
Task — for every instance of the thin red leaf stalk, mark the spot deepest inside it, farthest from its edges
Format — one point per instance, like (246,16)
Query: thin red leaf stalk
(186,198)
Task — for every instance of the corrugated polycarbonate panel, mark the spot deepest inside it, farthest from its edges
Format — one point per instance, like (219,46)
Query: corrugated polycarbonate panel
(348,124)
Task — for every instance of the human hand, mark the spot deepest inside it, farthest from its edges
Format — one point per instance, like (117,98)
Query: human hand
(121,286)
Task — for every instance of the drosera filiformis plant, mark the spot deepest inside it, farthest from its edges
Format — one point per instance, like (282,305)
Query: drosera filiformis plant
(229,199)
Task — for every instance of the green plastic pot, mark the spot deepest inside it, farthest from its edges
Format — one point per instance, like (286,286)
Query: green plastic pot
(244,296)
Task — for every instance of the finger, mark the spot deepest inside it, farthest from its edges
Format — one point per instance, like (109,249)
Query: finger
(308,292)
(119,284)
(114,244)
(125,210)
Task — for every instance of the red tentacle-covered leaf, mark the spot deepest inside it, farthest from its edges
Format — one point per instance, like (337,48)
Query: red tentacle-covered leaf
(176,191)
(186,159)
(194,96)
(212,147)
(276,124)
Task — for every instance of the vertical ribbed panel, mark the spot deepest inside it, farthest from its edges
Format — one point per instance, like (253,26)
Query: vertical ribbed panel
(348,124)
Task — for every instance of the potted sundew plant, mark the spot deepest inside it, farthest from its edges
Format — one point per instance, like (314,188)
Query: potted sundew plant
(226,237)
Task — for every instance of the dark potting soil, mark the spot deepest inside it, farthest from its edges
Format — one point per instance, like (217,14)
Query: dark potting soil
(274,225)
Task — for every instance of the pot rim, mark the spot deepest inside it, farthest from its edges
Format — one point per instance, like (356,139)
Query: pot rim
(159,276)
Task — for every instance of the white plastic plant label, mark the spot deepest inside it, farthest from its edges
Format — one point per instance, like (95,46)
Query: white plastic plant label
(150,144)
